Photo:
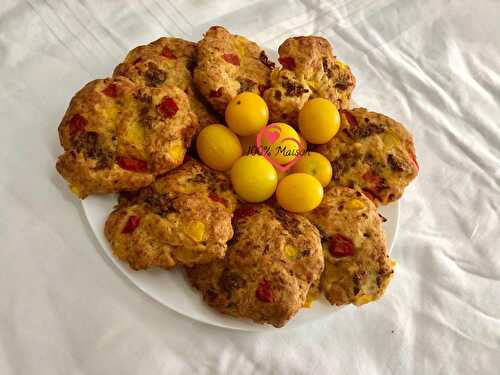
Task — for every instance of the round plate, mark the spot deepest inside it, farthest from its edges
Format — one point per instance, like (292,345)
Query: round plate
(171,288)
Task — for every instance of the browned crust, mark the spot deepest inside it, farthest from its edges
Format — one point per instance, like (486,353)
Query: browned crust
(257,255)
(219,80)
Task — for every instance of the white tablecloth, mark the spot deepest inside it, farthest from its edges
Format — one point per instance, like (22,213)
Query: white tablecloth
(434,65)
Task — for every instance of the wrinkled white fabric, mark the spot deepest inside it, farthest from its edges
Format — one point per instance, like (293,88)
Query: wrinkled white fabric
(433,65)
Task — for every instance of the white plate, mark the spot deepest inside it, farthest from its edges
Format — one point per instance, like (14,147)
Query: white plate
(170,288)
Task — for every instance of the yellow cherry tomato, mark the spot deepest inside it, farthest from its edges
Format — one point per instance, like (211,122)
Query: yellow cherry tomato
(316,165)
(299,192)
(249,145)
(254,178)
(319,120)
(281,150)
(218,147)
(246,114)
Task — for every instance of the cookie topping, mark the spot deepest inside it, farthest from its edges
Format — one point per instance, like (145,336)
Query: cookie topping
(110,90)
(168,53)
(326,68)
(87,143)
(76,124)
(342,86)
(395,163)
(131,164)
(359,132)
(341,246)
(294,89)
(230,281)
(154,76)
(264,292)
(354,204)
(350,118)
(145,119)
(196,231)
(132,223)
(167,107)
(160,204)
(231,58)
(290,251)
(287,62)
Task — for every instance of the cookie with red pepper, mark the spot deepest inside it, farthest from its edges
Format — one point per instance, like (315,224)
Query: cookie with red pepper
(229,64)
(371,152)
(271,262)
(167,62)
(184,217)
(118,136)
(308,70)
(357,266)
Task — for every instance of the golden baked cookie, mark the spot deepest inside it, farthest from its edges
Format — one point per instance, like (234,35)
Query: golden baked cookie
(118,136)
(357,266)
(184,217)
(372,152)
(270,264)
(309,70)
(167,62)
(228,65)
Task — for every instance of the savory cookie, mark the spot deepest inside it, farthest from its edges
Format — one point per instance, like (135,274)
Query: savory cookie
(309,70)
(228,65)
(270,264)
(357,266)
(167,62)
(117,136)
(184,217)
(372,152)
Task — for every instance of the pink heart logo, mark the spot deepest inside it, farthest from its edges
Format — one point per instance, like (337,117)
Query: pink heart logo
(271,137)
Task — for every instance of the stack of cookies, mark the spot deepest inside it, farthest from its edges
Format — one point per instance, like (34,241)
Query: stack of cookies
(132,134)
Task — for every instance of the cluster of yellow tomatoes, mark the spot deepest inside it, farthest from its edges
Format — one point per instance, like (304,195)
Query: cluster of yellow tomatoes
(253,176)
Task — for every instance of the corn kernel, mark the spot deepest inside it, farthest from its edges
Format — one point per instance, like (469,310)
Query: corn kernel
(135,134)
(358,301)
(290,251)
(111,112)
(354,204)
(177,152)
(391,141)
(312,296)
(241,45)
(75,190)
(196,231)
(340,64)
